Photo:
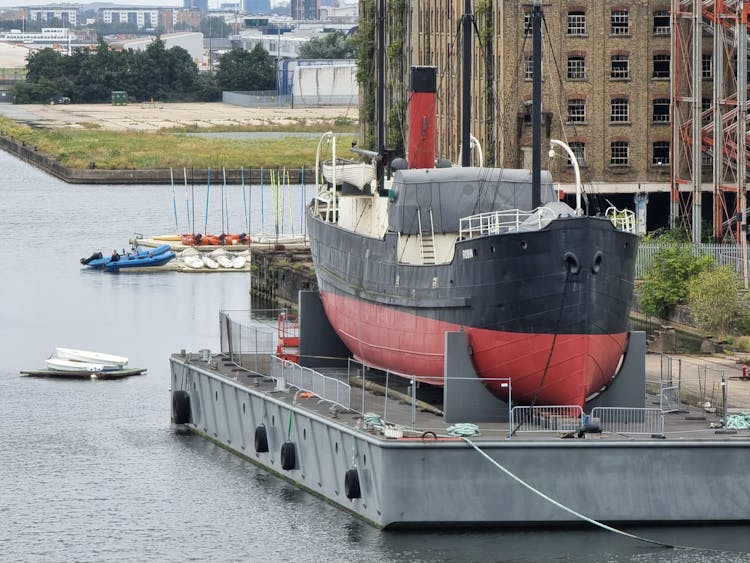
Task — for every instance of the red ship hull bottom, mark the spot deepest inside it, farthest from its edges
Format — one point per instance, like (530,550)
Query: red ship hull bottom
(545,369)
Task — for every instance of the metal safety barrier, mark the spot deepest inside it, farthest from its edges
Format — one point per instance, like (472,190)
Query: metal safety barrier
(624,420)
(327,388)
(557,418)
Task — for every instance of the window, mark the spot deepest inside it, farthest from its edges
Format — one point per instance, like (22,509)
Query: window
(660,153)
(661,65)
(661,110)
(706,67)
(576,23)
(576,111)
(619,113)
(619,23)
(661,22)
(527,112)
(620,67)
(527,31)
(619,153)
(528,73)
(579,149)
(576,68)
(528,69)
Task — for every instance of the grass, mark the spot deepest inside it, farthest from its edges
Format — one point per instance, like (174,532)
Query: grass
(136,150)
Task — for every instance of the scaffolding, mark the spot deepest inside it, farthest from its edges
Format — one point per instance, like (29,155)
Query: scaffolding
(709,116)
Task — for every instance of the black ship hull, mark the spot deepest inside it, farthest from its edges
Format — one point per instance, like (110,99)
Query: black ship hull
(546,308)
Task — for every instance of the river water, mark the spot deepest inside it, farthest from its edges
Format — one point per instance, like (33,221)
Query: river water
(94,471)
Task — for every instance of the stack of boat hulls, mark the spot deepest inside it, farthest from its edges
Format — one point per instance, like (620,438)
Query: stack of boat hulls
(205,253)
(216,259)
(74,360)
(69,363)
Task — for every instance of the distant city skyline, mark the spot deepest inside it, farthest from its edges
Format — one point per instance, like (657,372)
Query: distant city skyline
(212,4)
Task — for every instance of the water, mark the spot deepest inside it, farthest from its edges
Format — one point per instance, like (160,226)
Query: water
(93,470)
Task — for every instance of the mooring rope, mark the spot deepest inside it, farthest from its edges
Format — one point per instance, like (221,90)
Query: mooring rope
(738,421)
(463,429)
(559,505)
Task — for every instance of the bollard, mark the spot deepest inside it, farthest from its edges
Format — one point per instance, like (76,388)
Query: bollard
(744,372)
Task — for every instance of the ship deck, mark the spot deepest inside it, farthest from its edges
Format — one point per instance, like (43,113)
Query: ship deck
(424,420)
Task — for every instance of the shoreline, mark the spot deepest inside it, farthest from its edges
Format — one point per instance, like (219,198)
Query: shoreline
(94,175)
(152,117)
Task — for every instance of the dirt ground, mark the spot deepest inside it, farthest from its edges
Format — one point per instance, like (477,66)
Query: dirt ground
(153,116)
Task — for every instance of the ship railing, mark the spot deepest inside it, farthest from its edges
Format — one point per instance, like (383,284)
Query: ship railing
(328,389)
(553,418)
(624,420)
(498,222)
(622,219)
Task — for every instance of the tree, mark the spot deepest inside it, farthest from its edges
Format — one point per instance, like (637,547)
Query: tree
(206,88)
(153,78)
(333,45)
(665,283)
(90,75)
(49,74)
(100,74)
(242,70)
(46,63)
(214,27)
(714,300)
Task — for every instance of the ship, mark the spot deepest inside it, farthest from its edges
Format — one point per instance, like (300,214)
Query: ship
(541,290)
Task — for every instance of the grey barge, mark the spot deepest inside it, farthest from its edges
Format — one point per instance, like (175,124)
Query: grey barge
(400,462)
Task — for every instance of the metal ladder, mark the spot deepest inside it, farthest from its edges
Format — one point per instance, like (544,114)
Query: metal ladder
(426,239)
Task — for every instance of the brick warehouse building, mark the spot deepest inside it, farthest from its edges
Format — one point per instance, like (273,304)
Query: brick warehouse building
(606,87)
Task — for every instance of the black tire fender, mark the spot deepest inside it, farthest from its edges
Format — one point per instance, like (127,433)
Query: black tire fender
(351,484)
(288,456)
(180,407)
(261,439)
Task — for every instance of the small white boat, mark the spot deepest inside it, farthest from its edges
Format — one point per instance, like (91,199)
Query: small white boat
(239,261)
(224,261)
(358,174)
(109,361)
(61,364)
(211,263)
(195,262)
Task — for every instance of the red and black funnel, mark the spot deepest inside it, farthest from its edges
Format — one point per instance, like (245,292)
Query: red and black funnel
(421,146)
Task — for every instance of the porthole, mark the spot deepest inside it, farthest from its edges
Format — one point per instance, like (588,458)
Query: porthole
(572,265)
(597,263)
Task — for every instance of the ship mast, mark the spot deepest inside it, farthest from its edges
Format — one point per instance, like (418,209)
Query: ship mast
(536,106)
(466,87)
(380,109)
